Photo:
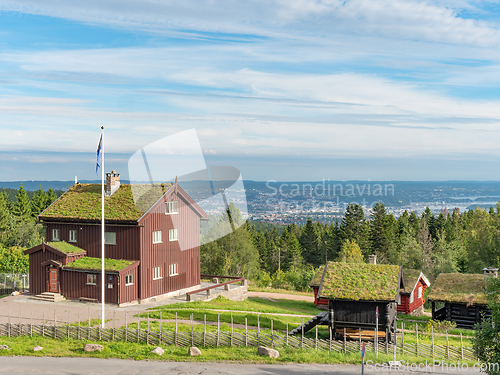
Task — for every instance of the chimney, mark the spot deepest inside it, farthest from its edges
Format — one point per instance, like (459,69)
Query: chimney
(490,272)
(372,259)
(112,182)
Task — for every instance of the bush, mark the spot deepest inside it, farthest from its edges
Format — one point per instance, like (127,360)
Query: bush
(439,326)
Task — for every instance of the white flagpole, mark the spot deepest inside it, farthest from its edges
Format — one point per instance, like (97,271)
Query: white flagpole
(103,278)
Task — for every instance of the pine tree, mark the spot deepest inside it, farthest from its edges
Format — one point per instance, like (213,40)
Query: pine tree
(350,253)
(355,228)
(4,216)
(51,197)
(39,202)
(22,207)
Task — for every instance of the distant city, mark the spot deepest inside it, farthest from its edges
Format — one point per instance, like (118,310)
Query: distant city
(325,201)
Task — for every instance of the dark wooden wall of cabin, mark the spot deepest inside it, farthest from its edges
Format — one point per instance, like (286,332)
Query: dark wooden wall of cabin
(465,316)
(185,252)
(88,237)
(74,285)
(355,314)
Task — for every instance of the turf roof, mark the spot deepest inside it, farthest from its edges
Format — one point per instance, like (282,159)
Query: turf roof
(410,279)
(316,280)
(360,282)
(65,247)
(459,287)
(83,202)
(94,264)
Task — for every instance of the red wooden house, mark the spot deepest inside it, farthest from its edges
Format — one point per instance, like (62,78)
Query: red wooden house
(152,243)
(321,303)
(412,295)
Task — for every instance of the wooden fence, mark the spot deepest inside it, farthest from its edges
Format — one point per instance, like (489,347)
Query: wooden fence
(269,338)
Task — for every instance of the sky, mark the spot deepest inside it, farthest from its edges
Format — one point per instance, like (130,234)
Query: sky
(286,90)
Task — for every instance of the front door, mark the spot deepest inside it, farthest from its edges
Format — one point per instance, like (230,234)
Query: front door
(53,280)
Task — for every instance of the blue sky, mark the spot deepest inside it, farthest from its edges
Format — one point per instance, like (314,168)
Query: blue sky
(282,90)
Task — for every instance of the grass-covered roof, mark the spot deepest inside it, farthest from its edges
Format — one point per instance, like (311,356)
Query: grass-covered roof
(316,280)
(459,287)
(360,282)
(83,202)
(65,247)
(94,264)
(410,279)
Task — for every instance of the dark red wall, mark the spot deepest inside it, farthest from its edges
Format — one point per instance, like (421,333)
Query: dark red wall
(73,286)
(131,292)
(187,223)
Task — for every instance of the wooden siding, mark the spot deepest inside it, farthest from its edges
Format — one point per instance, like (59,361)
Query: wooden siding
(38,275)
(355,314)
(128,293)
(88,237)
(405,305)
(74,285)
(185,252)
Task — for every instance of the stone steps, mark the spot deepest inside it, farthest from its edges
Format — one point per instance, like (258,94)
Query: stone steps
(49,297)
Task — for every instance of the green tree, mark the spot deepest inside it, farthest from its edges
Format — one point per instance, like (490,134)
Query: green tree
(13,260)
(382,228)
(39,202)
(350,252)
(51,197)
(22,207)
(355,227)
(4,215)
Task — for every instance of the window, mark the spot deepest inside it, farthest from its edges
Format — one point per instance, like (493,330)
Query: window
(91,279)
(72,236)
(419,292)
(157,273)
(55,234)
(157,236)
(411,296)
(172,235)
(171,208)
(110,238)
(129,280)
(173,269)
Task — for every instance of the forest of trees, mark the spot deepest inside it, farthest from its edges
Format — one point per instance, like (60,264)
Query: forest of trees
(450,242)
(19,228)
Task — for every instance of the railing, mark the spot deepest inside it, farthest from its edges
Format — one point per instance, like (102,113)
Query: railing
(208,289)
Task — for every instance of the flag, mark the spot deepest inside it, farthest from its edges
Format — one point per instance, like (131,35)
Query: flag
(99,153)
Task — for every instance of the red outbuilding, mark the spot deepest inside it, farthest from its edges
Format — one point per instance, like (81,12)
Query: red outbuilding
(152,243)
(412,296)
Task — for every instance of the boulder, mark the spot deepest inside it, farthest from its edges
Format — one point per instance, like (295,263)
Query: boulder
(194,351)
(93,347)
(268,352)
(37,348)
(4,347)
(158,351)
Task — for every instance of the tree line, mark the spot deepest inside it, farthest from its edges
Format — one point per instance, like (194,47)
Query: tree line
(449,242)
(19,228)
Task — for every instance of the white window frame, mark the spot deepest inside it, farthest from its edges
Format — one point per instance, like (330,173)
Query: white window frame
(72,235)
(91,279)
(412,294)
(173,235)
(171,208)
(157,273)
(173,269)
(110,238)
(157,236)
(129,280)
(420,292)
(55,235)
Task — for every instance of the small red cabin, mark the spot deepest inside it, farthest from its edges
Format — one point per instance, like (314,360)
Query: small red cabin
(412,296)
(321,303)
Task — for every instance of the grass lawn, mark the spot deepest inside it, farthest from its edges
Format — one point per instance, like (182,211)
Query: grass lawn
(253,288)
(23,346)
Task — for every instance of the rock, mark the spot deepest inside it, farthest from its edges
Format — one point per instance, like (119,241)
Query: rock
(37,348)
(4,347)
(15,293)
(93,347)
(158,351)
(268,352)
(194,351)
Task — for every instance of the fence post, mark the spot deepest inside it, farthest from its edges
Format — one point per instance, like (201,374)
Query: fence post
(68,324)
(345,342)
(138,325)
(432,334)
(231,328)
(78,332)
(246,332)
(272,336)
(403,338)
(447,347)
(387,341)
(31,324)
(88,332)
(461,347)
(192,332)
(147,334)
(258,329)
(114,318)
(99,327)
(43,325)
(160,330)
(8,331)
(126,326)
(330,331)
(316,339)
(205,330)
(55,323)
(416,331)
(175,336)
(218,329)
(287,334)
(20,324)
(302,337)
